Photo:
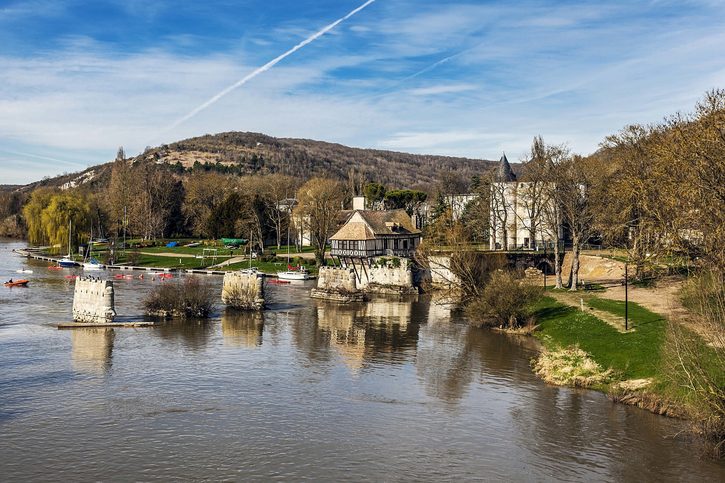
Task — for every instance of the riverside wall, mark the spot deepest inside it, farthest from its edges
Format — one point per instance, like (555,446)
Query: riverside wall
(243,291)
(93,301)
(338,284)
(382,276)
(440,273)
(388,277)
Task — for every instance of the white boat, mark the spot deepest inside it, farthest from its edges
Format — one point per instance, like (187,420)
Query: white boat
(301,274)
(93,264)
(23,271)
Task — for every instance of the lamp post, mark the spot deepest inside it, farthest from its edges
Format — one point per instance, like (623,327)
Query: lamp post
(546,264)
(626,299)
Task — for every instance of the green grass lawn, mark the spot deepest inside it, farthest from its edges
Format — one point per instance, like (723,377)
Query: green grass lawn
(632,355)
(639,353)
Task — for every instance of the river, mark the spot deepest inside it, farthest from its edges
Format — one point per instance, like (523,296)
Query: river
(390,390)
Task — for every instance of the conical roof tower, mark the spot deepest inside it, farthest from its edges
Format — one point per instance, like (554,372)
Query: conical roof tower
(504,173)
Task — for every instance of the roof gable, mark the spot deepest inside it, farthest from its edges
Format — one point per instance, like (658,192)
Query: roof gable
(370,224)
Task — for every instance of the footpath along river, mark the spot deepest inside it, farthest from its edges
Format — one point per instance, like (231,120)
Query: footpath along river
(391,390)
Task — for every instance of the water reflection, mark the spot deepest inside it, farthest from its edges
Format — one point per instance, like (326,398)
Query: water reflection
(192,334)
(378,331)
(242,329)
(91,349)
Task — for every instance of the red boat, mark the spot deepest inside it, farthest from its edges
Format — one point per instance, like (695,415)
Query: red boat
(277,281)
(55,267)
(17,283)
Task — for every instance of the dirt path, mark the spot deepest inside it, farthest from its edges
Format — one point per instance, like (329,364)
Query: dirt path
(576,299)
(664,299)
(168,254)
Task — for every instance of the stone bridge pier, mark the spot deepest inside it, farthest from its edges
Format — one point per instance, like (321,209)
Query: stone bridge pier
(93,301)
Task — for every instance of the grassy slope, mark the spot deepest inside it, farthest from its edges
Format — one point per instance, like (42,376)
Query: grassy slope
(637,354)
(632,355)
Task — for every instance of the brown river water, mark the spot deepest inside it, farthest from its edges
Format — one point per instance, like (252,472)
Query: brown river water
(387,391)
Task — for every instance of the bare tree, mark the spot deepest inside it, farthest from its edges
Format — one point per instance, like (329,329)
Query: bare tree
(319,203)
(501,215)
(279,189)
(574,192)
(532,194)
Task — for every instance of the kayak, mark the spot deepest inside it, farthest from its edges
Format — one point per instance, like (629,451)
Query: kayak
(17,283)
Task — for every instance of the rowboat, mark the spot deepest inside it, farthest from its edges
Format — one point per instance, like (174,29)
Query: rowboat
(17,283)
(277,281)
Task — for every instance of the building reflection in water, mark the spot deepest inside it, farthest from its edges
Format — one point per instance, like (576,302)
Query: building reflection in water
(443,362)
(242,329)
(91,349)
(379,331)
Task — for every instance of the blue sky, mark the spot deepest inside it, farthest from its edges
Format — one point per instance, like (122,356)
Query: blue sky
(80,78)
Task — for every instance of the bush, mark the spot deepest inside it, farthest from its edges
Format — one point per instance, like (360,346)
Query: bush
(506,301)
(187,298)
(697,361)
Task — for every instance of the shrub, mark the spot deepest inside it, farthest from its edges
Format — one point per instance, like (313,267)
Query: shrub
(187,298)
(697,361)
(505,301)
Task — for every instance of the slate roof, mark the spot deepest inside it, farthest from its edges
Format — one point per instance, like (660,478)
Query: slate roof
(373,224)
(504,173)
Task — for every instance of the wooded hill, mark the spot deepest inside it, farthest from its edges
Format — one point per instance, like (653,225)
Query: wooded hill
(244,153)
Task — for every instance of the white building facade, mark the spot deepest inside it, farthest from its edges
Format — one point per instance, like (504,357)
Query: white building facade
(521,213)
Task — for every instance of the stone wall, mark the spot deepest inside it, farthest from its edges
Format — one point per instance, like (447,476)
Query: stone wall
(441,274)
(384,277)
(337,283)
(93,301)
(243,291)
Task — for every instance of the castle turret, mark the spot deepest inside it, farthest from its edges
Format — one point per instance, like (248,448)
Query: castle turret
(504,174)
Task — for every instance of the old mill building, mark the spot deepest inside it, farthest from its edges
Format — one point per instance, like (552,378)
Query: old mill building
(368,234)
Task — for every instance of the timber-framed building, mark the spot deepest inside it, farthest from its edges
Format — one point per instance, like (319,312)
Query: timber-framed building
(369,234)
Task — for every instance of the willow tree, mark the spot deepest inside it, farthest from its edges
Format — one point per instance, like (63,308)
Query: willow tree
(66,219)
(319,202)
(33,211)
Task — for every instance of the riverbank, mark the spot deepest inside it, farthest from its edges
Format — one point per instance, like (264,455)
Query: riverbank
(191,260)
(591,348)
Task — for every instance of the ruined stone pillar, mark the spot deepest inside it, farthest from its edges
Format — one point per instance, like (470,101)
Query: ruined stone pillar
(93,301)
(243,290)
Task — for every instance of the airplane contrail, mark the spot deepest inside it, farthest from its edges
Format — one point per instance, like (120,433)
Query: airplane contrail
(265,67)
(45,158)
